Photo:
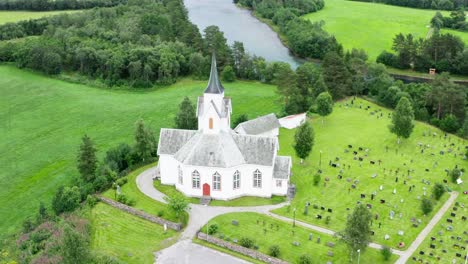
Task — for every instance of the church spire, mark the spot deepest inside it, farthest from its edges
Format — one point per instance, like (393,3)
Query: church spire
(214,85)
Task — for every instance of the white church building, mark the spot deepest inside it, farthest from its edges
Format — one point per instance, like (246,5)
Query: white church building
(218,162)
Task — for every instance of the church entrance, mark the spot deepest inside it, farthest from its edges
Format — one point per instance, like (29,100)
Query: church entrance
(206,189)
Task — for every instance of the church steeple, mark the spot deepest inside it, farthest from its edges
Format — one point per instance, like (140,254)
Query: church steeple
(214,85)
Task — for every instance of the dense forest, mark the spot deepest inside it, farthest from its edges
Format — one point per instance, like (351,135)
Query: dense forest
(425,4)
(49,5)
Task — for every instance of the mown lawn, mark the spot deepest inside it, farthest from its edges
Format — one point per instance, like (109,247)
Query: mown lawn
(42,121)
(357,127)
(14,16)
(126,237)
(267,231)
(371,26)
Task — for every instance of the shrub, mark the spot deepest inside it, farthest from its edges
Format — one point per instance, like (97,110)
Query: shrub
(160,213)
(438,190)
(454,174)
(212,229)
(122,198)
(122,181)
(316,179)
(449,124)
(426,206)
(246,242)
(274,251)
(386,253)
(305,259)
(91,200)
(387,58)
(228,74)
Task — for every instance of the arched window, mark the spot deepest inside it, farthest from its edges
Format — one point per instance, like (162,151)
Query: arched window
(257,179)
(236,180)
(216,181)
(181,176)
(195,180)
(211,123)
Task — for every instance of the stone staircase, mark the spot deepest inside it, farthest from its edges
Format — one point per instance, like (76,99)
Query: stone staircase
(205,200)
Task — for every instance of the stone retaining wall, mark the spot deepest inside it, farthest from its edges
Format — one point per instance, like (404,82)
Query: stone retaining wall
(141,214)
(240,249)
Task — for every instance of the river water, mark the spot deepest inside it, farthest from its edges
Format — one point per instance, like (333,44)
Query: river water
(239,25)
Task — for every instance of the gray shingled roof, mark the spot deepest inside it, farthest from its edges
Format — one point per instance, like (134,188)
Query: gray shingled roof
(256,150)
(282,167)
(171,140)
(259,125)
(214,85)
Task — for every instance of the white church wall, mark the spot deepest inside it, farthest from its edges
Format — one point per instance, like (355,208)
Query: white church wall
(166,166)
(279,190)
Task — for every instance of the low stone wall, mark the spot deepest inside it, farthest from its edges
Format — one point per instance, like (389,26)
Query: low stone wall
(141,214)
(240,249)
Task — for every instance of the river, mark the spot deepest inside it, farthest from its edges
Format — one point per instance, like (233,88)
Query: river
(239,25)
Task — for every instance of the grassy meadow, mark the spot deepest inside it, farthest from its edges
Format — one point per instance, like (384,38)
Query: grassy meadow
(357,127)
(14,16)
(371,26)
(42,121)
(126,237)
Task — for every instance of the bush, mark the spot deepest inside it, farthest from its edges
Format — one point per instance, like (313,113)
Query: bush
(91,200)
(305,259)
(317,178)
(387,58)
(386,253)
(426,206)
(228,74)
(274,251)
(160,213)
(125,200)
(454,174)
(122,181)
(449,124)
(212,229)
(246,242)
(438,190)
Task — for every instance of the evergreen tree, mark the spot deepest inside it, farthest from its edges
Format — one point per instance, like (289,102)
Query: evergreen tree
(304,141)
(402,119)
(87,161)
(145,141)
(437,22)
(336,75)
(357,232)
(324,104)
(319,87)
(186,117)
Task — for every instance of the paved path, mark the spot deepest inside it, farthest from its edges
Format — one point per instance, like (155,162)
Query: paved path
(200,215)
(420,238)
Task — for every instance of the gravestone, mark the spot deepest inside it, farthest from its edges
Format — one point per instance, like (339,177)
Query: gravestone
(386,237)
(392,214)
(331,244)
(295,243)
(235,222)
(401,232)
(330,254)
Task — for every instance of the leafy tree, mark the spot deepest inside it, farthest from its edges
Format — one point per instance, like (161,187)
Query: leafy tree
(228,74)
(437,22)
(449,123)
(177,203)
(216,42)
(336,75)
(240,119)
(454,175)
(87,161)
(145,143)
(357,232)
(304,141)
(74,248)
(438,190)
(286,81)
(386,253)
(66,199)
(324,104)
(186,117)
(402,119)
(274,251)
(426,206)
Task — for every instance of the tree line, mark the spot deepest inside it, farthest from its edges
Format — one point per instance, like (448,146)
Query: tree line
(424,4)
(49,5)
(456,20)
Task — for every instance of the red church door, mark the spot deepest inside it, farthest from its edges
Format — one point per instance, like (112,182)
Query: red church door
(206,189)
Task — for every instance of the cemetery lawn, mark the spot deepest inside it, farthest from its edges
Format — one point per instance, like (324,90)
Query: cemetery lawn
(372,26)
(357,127)
(14,16)
(284,238)
(242,201)
(43,120)
(127,237)
(447,239)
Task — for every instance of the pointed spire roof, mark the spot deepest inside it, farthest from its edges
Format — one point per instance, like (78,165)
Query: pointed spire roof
(214,85)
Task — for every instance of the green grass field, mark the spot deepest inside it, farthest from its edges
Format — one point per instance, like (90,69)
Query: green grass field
(357,127)
(372,27)
(43,120)
(126,237)
(280,233)
(445,239)
(14,16)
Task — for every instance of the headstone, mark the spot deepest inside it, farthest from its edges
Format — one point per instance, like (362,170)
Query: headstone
(386,237)
(330,210)
(392,214)
(318,240)
(381,187)
(363,195)
(331,244)
(235,222)
(369,206)
(295,243)
(330,254)
(401,232)
(310,236)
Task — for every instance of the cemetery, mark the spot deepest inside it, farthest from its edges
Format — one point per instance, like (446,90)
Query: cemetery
(358,160)
(293,242)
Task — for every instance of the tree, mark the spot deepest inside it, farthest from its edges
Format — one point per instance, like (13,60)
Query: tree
(66,199)
(324,104)
(304,141)
(305,259)
(145,143)
(177,203)
(357,232)
(74,248)
(186,117)
(438,190)
(336,75)
(402,119)
(437,22)
(386,253)
(228,74)
(87,161)
(454,175)
(286,81)
(240,119)
(274,251)
(426,206)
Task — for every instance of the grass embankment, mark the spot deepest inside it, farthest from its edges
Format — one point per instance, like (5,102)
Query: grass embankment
(357,127)
(127,237)
(15,16)
(43,120)
(281,233)
(372,26)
